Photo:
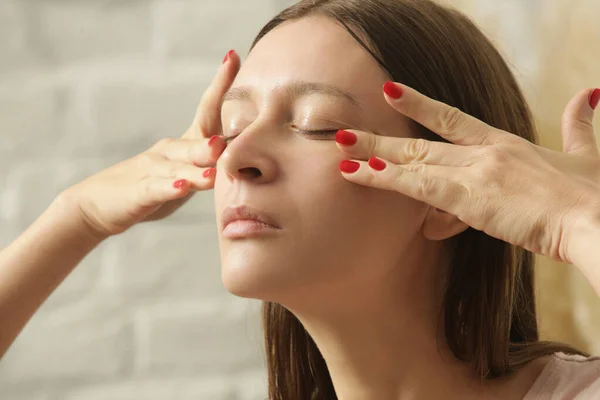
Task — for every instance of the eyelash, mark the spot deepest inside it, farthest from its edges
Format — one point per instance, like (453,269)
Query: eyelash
(322,132)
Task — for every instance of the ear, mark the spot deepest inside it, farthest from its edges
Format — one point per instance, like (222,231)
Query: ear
(440,225)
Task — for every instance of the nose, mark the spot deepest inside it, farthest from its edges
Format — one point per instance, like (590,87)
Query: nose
(251,155)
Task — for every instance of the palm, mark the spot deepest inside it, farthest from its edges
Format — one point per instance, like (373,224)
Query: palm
(168,208)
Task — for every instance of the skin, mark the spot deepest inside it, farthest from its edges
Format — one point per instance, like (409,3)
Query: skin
(362,268)
(367,283)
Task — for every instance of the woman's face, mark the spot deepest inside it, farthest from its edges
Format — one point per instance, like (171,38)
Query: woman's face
(308,75)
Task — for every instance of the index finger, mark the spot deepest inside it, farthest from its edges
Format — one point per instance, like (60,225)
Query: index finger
(447,121)
(207,121)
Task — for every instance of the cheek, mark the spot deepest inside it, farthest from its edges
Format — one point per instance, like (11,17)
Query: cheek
(345,221)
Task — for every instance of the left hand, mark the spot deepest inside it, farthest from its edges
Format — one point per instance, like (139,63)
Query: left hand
(492,180)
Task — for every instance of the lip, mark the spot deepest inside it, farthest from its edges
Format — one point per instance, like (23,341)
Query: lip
(244,220)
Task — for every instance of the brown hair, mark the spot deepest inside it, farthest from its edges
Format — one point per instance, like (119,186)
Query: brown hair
(489,310)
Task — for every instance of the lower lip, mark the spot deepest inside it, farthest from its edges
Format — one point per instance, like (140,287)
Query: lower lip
(247,228)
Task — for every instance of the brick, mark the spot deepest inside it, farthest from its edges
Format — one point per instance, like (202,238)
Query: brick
(85,280)
(208,29)
(88,340)
(31,184)
(26,395)
(13,31)
(281,4)
(130,117)
(82,31)
(205,387)
(252,385)
(208,387)
(175,338)
(32,121)
(158,260)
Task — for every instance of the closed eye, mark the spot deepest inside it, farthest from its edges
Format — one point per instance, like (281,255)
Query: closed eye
(321,132)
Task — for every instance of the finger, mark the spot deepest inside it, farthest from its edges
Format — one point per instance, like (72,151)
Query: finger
(448,122)
(198,178)
(363,145)
(155,191)
(577,124)
(207,121)
(198,152)
(434,185)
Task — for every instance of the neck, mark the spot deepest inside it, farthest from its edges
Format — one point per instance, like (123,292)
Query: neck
(384,339)
(382,343)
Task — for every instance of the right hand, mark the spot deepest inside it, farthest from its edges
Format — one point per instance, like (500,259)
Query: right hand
(142,188)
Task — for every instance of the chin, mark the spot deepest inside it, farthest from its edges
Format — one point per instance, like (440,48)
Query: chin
(245,276)
(255,276)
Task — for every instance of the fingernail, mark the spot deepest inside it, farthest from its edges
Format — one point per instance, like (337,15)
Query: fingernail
(393,90)
(208,172)
(346,138)
(376,164)
(227,56)
(179,184)
(212,140)
(349,167)
(595,99)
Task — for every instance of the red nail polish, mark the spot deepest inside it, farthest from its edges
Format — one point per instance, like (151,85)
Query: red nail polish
(179,184)
(595,99)
(227,56)
(346,138)
(376,164)
(393,90)
(208,172)
(349,167)
(212,140)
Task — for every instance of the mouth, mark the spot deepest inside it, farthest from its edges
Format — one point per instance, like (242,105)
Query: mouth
(244,221)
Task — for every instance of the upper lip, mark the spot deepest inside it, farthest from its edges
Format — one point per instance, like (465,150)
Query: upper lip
(243,212)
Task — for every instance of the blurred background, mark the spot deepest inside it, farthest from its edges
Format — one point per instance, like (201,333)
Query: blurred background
(85,84)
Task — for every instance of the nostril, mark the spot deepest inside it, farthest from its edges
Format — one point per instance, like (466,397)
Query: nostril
(250,172)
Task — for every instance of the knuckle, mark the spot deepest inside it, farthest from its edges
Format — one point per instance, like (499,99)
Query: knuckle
(417,168)
(580,122)
(450,119)
(172,170)
(193,153)
(144,161)
(427,188)
(417,149)
(374,144)
(145,192)
(498,155)
(163,143)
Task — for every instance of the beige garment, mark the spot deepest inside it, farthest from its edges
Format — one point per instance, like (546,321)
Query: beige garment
(568,377)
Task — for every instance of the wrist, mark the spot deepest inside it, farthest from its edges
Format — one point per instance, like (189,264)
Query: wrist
(584,245)
(65,210)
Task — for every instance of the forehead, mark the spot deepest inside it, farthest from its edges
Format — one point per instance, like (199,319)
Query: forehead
(314,49)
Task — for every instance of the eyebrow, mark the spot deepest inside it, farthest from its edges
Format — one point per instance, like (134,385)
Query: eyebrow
(296,89)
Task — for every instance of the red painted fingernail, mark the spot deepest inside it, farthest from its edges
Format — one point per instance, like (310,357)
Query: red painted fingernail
(179,184)
(595,99)
(376,164)
(212,140)
(346,138)
(349,167)
(393,90)
(227,56)
(208,172)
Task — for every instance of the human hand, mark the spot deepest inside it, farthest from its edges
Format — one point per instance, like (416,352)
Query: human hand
(491,180)
(155,183)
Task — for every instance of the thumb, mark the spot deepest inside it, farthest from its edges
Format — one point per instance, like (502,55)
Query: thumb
(577,128)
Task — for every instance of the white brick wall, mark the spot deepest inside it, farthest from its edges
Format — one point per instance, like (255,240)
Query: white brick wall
(84,84)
